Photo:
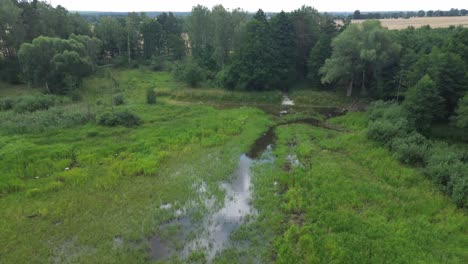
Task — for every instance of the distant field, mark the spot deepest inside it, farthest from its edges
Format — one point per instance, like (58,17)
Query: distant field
(417,22)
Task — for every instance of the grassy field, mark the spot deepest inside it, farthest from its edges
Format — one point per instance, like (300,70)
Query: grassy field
(417,22)
(87,193)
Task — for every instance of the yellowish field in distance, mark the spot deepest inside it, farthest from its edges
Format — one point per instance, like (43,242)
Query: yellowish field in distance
(417,22)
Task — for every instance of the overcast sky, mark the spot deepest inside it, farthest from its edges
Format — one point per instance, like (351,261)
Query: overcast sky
(266,5)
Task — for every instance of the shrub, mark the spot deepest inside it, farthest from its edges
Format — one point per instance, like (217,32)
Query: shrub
(461,117)
(156,64)
(442,164)
(386,110)
(124,118)
(119,99)
(43,120)
(423,103)
(411,149)
(387,121)
(385,131)
(33,103)
(190,73)
(459,184)
(151,96)
(6,104)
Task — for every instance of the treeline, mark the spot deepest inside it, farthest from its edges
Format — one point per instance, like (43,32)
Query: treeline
(258,53)
(52,48)
(23,21)
(409,14)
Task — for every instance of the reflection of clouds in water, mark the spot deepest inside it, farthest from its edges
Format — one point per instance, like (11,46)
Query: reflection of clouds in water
(216,227)
(219,225)
(287,101)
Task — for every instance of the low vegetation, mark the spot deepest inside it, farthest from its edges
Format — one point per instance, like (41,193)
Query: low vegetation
(120,135)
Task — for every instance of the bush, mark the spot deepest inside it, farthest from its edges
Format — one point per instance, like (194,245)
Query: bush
(190,73)
(151,96)
(384,131)
(446,167)
(459,184)
(387,121)
(441,164)
(124,118)
(227,78)
(157,64)
(386,110)
(41,121)
(6,104)
(33,103)
(119,99)
(461,114)
(412,149)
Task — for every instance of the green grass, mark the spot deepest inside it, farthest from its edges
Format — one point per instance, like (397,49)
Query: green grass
(117,177)
(350,200)
(9,90)
(319,98)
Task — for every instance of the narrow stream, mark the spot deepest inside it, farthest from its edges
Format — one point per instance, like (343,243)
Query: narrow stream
(219,225)
(212,235)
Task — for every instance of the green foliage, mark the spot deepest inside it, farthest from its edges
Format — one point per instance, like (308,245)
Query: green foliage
(7,104)
(318,55)
(387,121)
(411,149)
(461,114)
(190,72)
(282,40)
(118,99)
(423,103)
(296,246)
(59,64)
(359,203)
(151,96)
(443,164)
(448,72)
(121,118)
(41,121)
(252,68)
(359,51)
(447,169)
(34,103)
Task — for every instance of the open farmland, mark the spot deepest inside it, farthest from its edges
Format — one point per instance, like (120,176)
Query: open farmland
(417,22)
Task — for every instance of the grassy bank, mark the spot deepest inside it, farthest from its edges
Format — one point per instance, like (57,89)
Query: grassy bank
(71,194)
(345,199)
(86,193)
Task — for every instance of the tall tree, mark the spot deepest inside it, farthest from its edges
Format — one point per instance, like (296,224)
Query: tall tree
(58,64)
(322,50)
(345,62)
(132,27)
(253,66)
(306,21)
(448,71)
(152,38)
(11,29)
(423,103)
(112,34)
(461,114)
(201,34)
(222,35)
(361,53)
(173,43)
(283,47)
